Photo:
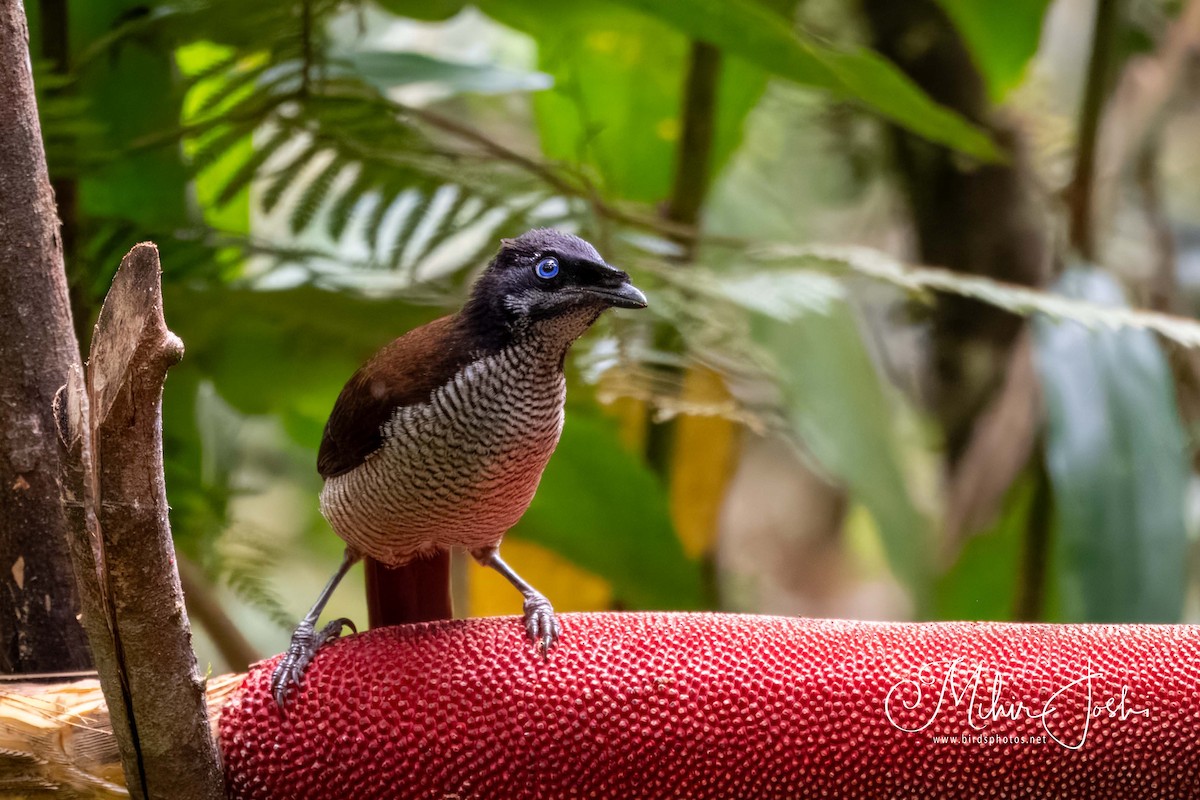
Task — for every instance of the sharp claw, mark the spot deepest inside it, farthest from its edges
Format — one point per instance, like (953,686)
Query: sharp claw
(289,672)
(541,624)
(334,629)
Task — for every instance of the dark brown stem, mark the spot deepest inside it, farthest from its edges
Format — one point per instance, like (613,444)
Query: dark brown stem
(56,48)
(39,629)
(694,155)
(688,191)
(306,46)
(1082,227)
(1030,596)
(203,604)
(1163,284)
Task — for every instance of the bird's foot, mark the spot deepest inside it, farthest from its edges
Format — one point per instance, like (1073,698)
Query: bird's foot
(540,622)
(289,672)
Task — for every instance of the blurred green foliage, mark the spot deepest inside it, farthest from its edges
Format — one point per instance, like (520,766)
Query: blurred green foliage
(1002,38)
(1118,460)
(322,176)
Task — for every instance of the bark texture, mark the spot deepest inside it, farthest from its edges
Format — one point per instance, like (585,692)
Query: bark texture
(111,425)
(39,630)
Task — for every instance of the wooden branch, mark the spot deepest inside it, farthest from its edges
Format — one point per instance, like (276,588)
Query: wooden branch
(110,426)
(38,602)
(976,221)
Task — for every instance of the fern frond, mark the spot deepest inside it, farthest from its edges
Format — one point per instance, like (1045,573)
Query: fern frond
(213,147)
(387,196)
(1019,300)
(416,214)
(446,226)
(315,194)
(216,68)
(343,206)
(245,173)
(246,577)
(235,80)
(286,175)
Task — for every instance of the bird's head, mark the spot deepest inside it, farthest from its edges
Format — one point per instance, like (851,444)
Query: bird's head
(545,275)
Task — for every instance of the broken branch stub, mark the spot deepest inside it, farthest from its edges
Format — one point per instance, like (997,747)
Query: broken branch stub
(111,427)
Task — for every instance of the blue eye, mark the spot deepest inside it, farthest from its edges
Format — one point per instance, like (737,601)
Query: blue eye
(547,268)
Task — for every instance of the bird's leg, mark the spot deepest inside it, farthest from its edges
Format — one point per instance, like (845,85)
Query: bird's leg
(540,622)
(307,640)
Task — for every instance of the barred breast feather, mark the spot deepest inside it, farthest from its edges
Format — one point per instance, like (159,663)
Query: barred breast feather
(447,453)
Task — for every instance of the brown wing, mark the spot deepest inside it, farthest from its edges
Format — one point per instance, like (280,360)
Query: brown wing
(403,373)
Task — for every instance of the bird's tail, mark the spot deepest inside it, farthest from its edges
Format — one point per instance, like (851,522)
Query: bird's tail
(418,591)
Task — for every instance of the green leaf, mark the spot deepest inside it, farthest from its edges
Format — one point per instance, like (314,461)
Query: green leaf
(1118,460)
(840,409)
(429,10)
(755,33)
(602,509)
(844,418)
(618,90)
(388,69)
(1001,37)
(981,585)
(285,352)
(286,175)
(133,95)
(236,184)
(785,295)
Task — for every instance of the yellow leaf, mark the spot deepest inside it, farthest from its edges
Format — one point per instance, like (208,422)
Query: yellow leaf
(568,587)
(702,462)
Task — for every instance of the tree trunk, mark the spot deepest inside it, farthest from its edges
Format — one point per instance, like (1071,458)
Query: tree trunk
(39,629)
(979,220)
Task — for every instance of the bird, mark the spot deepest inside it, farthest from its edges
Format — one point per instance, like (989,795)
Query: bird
(440,439)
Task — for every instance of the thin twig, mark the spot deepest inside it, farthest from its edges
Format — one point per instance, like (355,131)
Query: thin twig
(1030,596)
(683,208)
(306,47)
(582,190)
(1163,283)
(696,140)
(1144,90)
(202,601)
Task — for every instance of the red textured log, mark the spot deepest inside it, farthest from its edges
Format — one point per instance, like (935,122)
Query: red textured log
(722,706)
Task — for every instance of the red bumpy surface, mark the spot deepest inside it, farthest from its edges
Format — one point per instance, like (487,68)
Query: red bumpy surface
(721,706)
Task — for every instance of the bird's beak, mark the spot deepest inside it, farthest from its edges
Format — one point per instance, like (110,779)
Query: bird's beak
(623,295)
